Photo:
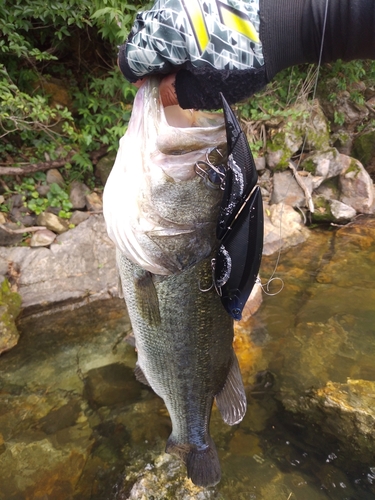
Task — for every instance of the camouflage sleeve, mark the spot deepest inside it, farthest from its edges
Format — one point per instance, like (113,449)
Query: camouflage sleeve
(237,46)
(215,43)
(222,34)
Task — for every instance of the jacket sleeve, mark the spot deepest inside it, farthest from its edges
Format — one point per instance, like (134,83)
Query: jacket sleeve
(237,46)
(214,45)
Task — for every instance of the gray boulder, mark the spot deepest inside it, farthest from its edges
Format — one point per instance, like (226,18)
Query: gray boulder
(79,266)
(356,187)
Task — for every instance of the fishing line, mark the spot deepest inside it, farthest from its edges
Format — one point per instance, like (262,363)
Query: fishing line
(265,286)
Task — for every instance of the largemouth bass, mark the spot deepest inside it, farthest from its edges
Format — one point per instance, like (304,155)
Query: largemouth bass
(162,217)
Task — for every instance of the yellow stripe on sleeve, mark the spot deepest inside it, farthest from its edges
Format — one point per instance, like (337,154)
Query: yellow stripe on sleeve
(238,22)
(197,22)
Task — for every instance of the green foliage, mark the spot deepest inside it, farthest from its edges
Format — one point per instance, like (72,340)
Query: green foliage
(72,45)
(55,197)
(275,103)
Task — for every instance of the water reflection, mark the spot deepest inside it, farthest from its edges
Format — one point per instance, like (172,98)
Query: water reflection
(75,424)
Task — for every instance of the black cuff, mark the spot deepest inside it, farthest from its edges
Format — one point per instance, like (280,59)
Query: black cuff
(199,88)
(122,62)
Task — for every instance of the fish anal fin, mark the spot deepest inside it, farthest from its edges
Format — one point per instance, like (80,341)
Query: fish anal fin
(139,375)
(231,400)
(180,450)
(147,298)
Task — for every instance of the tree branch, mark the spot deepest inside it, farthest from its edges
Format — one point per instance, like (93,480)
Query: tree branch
(47,165)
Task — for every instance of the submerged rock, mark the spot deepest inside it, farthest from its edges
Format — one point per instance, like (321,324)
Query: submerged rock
(346,411)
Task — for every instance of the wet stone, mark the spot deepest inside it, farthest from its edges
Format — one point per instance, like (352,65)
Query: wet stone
(10,307)
(283,227)
(110,385)
(21,215)
(7,237)
(43,190)
(78,216)
(104,166)
(77,196)
(357,188)
(94,202)
(42,238)
(54,176)
(52,222)
(15,201)
(341,212)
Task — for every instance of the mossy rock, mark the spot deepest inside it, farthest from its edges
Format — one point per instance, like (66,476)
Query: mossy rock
(355,167)
(104,166)
(322,212)
(364,147)
(305,124)
(10,307)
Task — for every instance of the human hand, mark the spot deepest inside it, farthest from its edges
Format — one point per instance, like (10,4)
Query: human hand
(166,88)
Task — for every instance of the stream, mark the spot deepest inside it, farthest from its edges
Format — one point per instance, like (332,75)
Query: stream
(76,425)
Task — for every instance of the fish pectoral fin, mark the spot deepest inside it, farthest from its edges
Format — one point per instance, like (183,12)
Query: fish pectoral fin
(139,375)
(147,298)
(231,400)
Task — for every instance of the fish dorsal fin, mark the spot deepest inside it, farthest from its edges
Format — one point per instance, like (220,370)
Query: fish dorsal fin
(139,375)
(231,400)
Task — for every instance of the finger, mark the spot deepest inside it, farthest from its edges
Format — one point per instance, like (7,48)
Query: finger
(168,91)
(138,83)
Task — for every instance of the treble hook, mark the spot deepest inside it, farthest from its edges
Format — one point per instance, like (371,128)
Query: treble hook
(211,172)
(213,284)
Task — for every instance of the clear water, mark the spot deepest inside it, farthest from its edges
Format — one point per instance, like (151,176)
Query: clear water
(74,423)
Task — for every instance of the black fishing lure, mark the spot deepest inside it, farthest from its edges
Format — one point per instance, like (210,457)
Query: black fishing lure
(241,175)
(240,224)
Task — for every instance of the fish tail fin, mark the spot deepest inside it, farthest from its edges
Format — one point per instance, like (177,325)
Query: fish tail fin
(203,466)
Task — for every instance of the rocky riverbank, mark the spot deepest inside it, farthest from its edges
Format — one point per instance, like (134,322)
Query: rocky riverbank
(323,369)
(57,262)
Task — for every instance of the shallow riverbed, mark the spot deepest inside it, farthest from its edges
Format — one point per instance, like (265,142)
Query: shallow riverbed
(75,424)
